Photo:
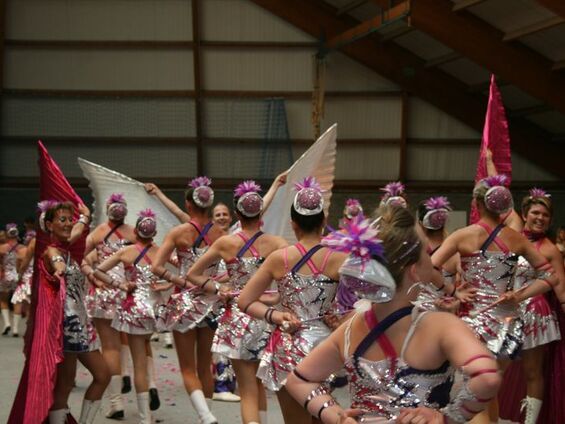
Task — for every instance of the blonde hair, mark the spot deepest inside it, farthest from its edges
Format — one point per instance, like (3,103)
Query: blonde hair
(402,245)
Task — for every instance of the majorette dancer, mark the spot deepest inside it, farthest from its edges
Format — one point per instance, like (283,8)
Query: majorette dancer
(240,337)
(306,276)
(190,313)
(9,274)
(137,315)
(22,295)
(102,301)
(400,363)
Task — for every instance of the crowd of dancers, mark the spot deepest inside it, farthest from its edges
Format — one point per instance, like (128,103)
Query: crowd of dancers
(420,324)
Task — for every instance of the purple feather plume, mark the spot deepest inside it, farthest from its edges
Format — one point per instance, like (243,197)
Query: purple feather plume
(439,202)
(308,182)
(395,188)
(116,198)
(146,213)
(357,237)
(199,182)
(352,203)
(248,186)
(45,205)
(496,180)
(11,225)
(539,192)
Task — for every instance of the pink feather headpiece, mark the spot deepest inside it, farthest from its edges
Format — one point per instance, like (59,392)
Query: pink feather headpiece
(249,201)
(116,198)
(199,182)
(496,180)
(146,224)
(45,205)
(538,192)
(352,208)
(308,199)
(437,213)
(357,237)
(12,229)
(248,186)
(393,189)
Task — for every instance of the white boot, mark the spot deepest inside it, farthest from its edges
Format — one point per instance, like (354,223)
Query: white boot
(199,403)
(168,339)
(533,407)
(15,330)
(116,411)
(89,410)
(143,408)
(6,318)
(263,416)
(58,416)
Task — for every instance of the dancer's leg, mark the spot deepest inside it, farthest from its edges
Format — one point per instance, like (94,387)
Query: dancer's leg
(204,337)
(95,364)
(66,372)
(245,372)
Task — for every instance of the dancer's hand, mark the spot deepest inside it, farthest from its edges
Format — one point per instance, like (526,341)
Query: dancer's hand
(448,304)
(420,415)
(151,188)
(465,293)
(347,416)
(99,284)
(287,321)
(161,285)
(83,210)
(281,179)
(126,286)
(225,293)
(331,320)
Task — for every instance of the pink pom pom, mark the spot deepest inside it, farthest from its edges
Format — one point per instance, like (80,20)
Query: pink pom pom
(496,180)
(146,224)
(308,182)
(393,189)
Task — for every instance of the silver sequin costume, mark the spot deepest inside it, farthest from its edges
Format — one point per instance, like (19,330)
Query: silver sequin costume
(383,389)
(23,290)
(104,302)
(240,336)
(10,278)
(79,335)
(429,293)
(186,308)
(492,274)
(137,313)
(540,321)
(308,297)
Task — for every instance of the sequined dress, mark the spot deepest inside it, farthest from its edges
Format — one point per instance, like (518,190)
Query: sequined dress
(308,297)
(239,336)
(429,293)
(23,290)
(137,314)
(79,335)
(10,277)
(104,302)
(187,309)
(540,321)
(492,274)
(383,388)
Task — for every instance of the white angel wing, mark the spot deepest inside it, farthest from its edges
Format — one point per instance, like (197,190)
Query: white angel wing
(103,182)
(317,161)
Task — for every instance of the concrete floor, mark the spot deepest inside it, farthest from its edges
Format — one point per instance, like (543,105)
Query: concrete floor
(175,404)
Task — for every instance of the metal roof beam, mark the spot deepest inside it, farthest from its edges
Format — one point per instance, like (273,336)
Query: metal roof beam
(464,4)
(352,5)
(556,6)
(440,60)
(533,28)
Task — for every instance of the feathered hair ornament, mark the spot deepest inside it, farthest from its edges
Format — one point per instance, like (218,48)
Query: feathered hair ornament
(116,207)
(352,208)
(393,194)
(308,199)
(496,180)
(12,229)
(146,224)
(438,209)
(203,195)
(363,273)
(248,201)
(538,192)
(116,198)
(498,198)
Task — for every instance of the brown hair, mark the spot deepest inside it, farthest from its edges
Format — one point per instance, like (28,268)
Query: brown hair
(529,201)
(66,206)
(400,240)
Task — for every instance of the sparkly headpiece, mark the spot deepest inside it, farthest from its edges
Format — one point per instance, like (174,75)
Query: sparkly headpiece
(203,195)
(393,194)
(308,199)
(146,225)
(498,198)
(352,208)
(29,236)
(12,229)
(438,209)
(364,272)
(43,207)
(249,202)
(538,192)
(116,207)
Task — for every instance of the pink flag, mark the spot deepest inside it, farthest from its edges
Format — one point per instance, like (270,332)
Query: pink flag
(496,137)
